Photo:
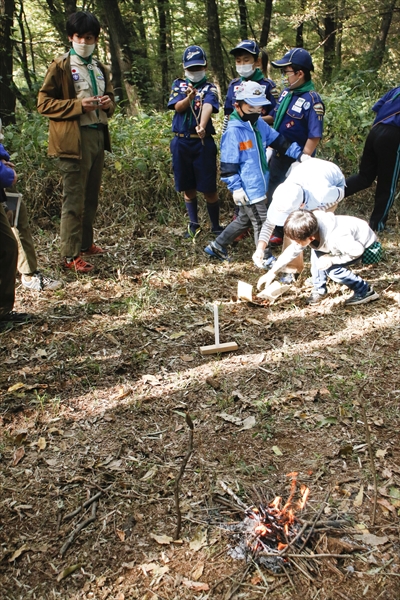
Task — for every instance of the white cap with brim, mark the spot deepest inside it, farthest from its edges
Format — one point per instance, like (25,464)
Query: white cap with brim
(252,92)
(287,198)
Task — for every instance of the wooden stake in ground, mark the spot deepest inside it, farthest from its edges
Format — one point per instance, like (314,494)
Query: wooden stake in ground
(217,347)
(189,423)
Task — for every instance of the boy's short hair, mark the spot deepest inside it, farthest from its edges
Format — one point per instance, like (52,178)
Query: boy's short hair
(300,225)
(307,72)
(82,22)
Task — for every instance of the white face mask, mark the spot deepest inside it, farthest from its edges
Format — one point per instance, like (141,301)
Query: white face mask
(83,50)
(195,76)
(245,70)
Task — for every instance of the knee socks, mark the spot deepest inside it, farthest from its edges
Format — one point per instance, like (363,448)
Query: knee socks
(213,213)
(191,208)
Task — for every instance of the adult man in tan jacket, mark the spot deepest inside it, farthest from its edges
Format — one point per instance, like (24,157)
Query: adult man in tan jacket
(78,98)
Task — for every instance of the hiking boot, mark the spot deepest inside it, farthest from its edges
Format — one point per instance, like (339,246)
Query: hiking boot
(39,282)
(369,296)
(93,251)
(316,297)
(78,265)
(275,241)
(216,251)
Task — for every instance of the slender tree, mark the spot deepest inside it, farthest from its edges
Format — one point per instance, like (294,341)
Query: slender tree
(215,45)
(266,24)
(7,97)
(243,19)
(329,40)
(387,8)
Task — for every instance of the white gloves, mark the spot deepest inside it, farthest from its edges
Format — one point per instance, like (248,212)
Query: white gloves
(303,157)
(324,262)
(267,279)
(239,197)
(258,258)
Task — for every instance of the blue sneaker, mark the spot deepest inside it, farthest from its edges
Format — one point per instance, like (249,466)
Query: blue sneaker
(216,251)
(368,296)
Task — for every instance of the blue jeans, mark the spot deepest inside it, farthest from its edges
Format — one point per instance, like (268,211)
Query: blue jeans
(338,273)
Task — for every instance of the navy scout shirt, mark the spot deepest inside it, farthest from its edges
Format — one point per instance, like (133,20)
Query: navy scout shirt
(303,118)
(185,122)
(270,93)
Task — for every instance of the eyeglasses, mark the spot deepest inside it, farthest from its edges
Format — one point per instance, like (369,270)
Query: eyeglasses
(287,73)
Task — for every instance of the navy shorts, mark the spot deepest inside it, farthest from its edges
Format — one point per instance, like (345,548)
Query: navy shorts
(194,164)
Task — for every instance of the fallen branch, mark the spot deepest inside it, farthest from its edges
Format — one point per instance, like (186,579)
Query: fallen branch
(77,529)
(228,490)
(371,456)
(189,423)
(315,520)
(84,505)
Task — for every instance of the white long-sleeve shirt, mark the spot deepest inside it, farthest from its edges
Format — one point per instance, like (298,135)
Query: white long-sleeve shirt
(342,237)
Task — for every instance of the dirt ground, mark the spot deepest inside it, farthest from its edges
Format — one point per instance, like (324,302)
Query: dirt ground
(93,398)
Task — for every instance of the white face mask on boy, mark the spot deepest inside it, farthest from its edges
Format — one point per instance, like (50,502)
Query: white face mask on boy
(195,76)
(83,50)
(245,70)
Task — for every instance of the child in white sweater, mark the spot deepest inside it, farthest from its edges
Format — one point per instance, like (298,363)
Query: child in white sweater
(336,242)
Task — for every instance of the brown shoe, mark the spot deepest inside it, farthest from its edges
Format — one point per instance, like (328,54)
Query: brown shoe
(78,265)
(93,251)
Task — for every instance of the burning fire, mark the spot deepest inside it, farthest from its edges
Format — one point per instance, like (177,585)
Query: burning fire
(273,525)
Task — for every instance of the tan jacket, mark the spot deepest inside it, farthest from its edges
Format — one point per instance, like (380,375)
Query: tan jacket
(57,100)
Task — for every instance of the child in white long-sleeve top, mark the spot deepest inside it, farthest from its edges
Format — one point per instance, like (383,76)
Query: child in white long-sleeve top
(337,242)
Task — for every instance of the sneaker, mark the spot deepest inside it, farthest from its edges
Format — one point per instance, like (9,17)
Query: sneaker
(275,241)
(192,232)
(39,282)
(316,297)
(93,251)
(78,265)
(369,296)
(216,251)
(16,317)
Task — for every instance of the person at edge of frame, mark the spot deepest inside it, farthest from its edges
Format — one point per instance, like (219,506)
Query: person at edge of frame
(194,153)
(77,98)
(298,115)
(8,259)
(380,159)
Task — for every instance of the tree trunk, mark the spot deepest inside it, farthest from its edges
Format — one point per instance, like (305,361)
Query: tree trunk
(379,47)
(7,97)
(329,42)
(300,27)
(243,19)
(215,45)
(266,26)
(121,51)
(59,14)
(163,47)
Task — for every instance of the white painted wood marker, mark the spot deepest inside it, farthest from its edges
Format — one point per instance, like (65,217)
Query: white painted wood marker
(217,347)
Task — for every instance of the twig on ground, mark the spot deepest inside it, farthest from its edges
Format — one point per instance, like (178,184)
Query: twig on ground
(77,529)
(84,505)
(228,490)
(237,585)
(189,423)
(315,520)
(371,456)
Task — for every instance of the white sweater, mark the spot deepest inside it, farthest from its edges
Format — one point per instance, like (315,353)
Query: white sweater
(344,238)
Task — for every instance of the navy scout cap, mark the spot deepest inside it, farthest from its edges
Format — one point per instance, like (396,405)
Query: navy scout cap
(248,46)
(194,56)
(297,56)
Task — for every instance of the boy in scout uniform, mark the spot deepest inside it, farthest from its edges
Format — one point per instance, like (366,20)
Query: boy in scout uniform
(78,98)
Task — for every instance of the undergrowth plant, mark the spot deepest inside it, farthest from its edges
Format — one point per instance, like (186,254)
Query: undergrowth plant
(138,184)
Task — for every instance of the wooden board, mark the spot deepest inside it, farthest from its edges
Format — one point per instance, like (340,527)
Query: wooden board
(215,348)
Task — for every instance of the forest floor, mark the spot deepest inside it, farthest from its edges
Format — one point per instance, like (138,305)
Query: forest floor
(93,398)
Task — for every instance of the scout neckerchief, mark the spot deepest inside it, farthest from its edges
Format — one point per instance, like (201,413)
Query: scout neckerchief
(261,150)
(88,63)
(192,112)
(280,113)
(257,76)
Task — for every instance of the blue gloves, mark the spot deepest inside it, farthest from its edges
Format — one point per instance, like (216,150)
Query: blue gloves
(294,151)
